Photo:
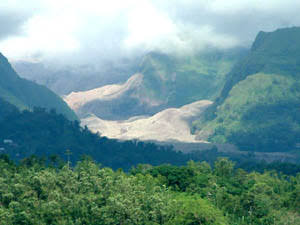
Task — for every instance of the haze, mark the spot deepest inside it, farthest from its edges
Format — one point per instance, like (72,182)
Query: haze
(92,31)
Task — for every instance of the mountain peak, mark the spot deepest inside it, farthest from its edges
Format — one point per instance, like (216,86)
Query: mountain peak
(284,39)
(26,94)
(260,93)
(6,71)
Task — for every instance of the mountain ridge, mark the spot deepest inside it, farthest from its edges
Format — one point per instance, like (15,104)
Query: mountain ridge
(258,106)
(26,94)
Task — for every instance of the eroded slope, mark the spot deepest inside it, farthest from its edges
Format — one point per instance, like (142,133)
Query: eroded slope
(169,124)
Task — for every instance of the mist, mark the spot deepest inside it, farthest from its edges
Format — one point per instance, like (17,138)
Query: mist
(65,32)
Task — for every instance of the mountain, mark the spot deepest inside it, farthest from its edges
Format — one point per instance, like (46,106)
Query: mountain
(26,94)
(114,102)
(49,134)
(6,109)
(65,79)
(258,108)
(162,81)
(180,80)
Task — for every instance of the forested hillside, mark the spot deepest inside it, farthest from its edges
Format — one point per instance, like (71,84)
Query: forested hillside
(258,109)
(179,80)
(48,134)
(26,94)
(57,188)
(149,112)
(32,193)
(52,136)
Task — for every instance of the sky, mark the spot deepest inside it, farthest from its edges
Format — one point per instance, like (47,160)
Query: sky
(91,31)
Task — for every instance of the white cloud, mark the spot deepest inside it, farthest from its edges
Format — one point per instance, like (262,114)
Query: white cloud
(95,30)
(146,25)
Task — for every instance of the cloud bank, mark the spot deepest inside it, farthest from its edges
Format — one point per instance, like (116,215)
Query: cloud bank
(97,30)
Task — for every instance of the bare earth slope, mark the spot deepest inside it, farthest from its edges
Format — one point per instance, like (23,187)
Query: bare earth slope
(114,102)
(172,124)
(109,92)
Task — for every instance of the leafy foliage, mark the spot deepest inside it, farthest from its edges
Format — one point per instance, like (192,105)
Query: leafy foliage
(245,198)
(89,194)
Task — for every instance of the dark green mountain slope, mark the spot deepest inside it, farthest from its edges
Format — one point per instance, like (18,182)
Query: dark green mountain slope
(49,135)
(258,108)
(6,109)
(44,133)
(177,81)
(27,94)
(275,52)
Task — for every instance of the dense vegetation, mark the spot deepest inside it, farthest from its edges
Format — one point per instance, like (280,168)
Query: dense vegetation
(47,190)
(258,109)
(32,193)
(50,135)
(45,133)
(27,94)
(181,80)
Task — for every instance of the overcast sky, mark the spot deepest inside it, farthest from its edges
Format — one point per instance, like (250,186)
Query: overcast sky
(82,31)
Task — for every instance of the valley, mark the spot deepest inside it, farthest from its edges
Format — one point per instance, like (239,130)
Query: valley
(159,102)
(149,112)
(172,124)
(247,94)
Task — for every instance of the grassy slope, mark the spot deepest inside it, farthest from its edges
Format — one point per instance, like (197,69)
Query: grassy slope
(258,108)
(179,81)
(260,113)
(26,94)
(275,52)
